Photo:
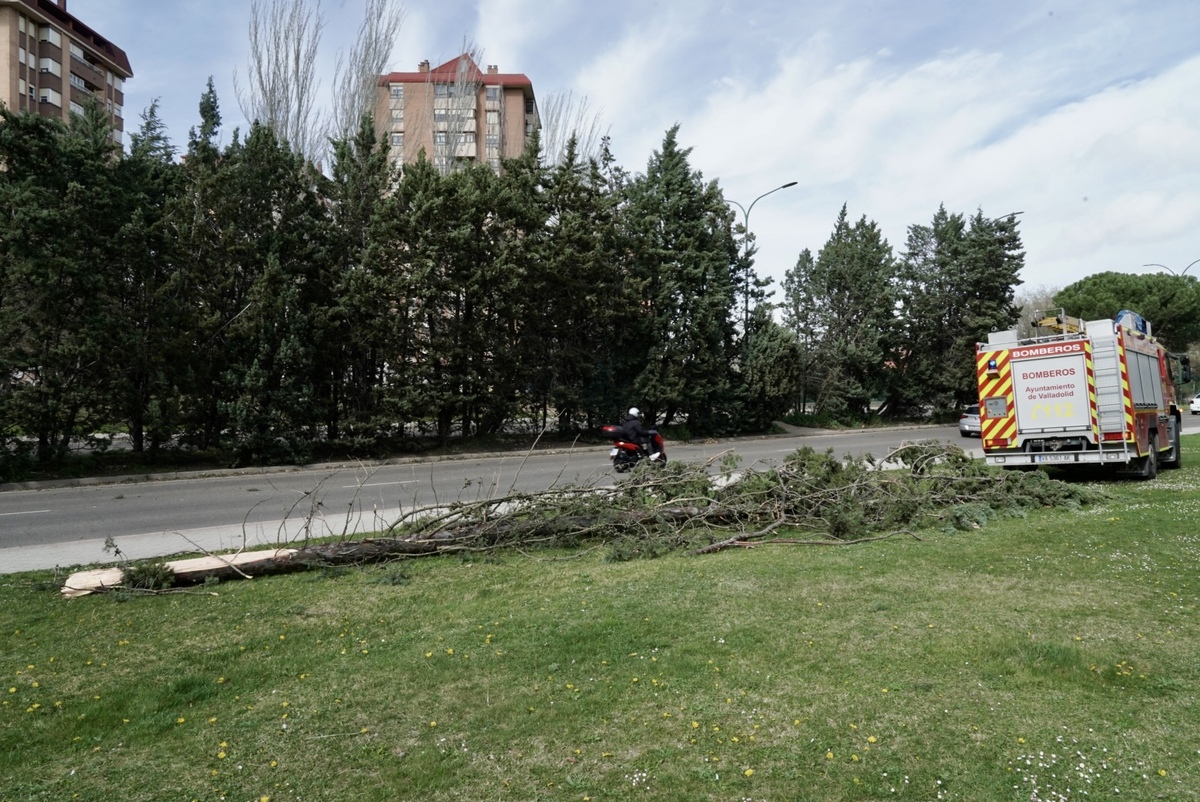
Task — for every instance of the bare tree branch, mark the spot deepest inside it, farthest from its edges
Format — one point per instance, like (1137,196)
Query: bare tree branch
(564,116)
(356,76)
(284,38)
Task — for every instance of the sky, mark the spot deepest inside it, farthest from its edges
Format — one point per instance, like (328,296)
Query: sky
(1082,115)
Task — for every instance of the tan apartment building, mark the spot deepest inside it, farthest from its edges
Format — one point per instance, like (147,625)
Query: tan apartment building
(51,63)
(455,113)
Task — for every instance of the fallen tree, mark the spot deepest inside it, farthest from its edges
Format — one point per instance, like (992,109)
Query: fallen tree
(700,508)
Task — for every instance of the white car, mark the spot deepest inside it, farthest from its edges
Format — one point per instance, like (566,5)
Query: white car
(968,422)
(1196,405)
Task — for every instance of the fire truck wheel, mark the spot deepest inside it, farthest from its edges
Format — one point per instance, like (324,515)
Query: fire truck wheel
(1150,468)
(1174,461)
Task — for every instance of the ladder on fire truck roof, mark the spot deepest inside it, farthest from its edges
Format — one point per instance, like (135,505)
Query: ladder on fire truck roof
(1057,320)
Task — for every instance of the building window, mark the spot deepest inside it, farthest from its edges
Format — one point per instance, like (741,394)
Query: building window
(493,141)
(21,24)
(529,105)
(493,118)
(51,66)
(77,52)
(48,34)
(397,91)
(439,138)
(79,83)
(51,97)
(397,140)
(493,93)
(20,55)
(441,115)
(397,115)
(76,108)
(118,83)
(468,137)
(444,90)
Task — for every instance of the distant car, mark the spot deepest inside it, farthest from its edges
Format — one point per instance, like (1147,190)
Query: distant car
(968,422)
(1196,405)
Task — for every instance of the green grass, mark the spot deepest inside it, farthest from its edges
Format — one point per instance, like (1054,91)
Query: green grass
(1050,657)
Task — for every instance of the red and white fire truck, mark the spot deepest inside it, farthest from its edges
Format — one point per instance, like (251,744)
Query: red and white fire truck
(1098,392)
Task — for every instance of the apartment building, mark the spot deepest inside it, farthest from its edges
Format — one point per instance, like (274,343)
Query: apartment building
(455,112)
(51,63)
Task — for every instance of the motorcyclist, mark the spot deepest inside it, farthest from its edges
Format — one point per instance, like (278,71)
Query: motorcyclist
(633,430)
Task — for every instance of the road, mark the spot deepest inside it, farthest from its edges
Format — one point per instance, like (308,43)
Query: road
(69,525)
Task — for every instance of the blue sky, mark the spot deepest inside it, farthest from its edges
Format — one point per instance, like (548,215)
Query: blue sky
(1084,115)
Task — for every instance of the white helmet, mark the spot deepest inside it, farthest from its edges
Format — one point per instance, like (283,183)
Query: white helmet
(635,412)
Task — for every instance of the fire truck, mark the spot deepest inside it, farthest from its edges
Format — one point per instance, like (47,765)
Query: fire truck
(1095,392)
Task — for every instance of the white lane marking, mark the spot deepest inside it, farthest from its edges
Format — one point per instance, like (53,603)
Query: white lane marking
(380,484)
(24,512)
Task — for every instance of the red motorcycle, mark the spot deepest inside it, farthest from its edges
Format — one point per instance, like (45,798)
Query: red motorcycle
(626,454)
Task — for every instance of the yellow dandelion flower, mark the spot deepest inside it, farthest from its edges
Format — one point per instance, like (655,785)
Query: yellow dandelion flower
(695,725)
(829,755)
(748,773)
(1020,740)
(180,720)
(274,763)
(449,651)
(1162,772)
(428,654)
(433,724)
(871,739)
(35,684)
(220,755)
(224,744)
(854,758)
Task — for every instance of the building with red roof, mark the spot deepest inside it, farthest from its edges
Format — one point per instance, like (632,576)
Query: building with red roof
(455,113)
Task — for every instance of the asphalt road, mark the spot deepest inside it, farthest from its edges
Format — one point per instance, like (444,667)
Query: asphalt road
(68,525)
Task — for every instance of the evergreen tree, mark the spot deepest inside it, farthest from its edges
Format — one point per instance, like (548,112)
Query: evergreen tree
(799,312)
(574,297)
(682,262)
(152,301)
(359,319)
(850,288)
(956,283)
(62,204)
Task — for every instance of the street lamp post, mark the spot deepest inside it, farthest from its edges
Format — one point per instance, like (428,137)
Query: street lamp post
(746,250)
(1172,272)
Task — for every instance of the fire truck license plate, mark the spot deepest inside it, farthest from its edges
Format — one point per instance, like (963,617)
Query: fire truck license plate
(1055,458)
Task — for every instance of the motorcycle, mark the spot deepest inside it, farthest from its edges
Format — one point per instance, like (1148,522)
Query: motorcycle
(626,454)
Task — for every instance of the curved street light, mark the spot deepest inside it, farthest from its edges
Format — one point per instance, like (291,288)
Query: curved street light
(1172,272)
(745,250)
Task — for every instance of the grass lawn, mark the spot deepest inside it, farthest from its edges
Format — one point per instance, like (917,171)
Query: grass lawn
(1047,658)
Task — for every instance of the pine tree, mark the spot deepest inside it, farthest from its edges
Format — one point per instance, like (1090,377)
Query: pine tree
(851,292)
(682,264)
